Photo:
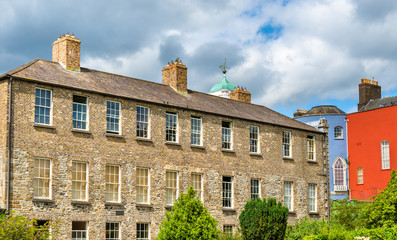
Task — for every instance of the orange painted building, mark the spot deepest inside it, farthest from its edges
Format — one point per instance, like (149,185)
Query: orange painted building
(372,146)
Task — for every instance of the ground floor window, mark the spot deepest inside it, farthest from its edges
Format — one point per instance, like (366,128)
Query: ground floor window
(142,231)
(112,231)
(228,230)
(79,230)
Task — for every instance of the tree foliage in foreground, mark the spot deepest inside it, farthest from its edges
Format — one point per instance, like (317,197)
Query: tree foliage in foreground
(15,227)
(382,212)
(263,219)
(188,220)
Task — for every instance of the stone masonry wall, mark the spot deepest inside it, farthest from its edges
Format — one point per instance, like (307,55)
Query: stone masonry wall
(3,142)
(62,146)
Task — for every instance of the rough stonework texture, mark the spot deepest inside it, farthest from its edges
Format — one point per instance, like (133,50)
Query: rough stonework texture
(3,142)
(241,95)
(175,75)
(63,145)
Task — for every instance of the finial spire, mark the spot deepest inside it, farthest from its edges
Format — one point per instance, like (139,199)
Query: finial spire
(224,67)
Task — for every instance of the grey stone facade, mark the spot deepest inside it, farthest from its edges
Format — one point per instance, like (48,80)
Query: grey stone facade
(62,145)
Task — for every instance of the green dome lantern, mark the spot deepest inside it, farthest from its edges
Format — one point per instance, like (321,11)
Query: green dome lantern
(224,84)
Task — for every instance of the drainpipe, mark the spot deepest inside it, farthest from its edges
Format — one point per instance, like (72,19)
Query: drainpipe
(9,140)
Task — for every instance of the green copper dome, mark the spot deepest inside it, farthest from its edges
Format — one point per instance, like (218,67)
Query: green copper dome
(224,84)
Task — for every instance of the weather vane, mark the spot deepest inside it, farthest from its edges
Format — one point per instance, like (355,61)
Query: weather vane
(224,67)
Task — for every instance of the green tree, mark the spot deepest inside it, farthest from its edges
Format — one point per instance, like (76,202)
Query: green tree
(347,213)
(15,227)
(263,219)
(188,220)
(382,212)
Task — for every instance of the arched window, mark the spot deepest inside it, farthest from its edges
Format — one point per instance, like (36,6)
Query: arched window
(339,169)
(338,132)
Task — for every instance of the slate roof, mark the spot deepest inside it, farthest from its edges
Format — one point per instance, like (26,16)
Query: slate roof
(325,110)
(380,103)
(48,72)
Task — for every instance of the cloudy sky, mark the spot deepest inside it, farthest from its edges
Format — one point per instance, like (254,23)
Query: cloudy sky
(288,54)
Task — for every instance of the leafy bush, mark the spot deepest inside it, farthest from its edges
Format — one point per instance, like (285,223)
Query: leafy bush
(230,237)
(263,219)
(348,213)
(188,220)
(15,227)
(382,212)
(383,233)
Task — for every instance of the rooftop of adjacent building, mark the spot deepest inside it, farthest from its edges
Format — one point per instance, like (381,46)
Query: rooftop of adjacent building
(380,103)
(319,110)
(224,84)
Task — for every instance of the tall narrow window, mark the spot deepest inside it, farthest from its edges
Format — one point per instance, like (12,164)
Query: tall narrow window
(312,198)
(338,132)
(142,122)
(339,171)
(226,135)
(255,188)
(112,231)
(80,110)
(142,185)
(286,144)
(385,154)
(112,183)
(288,196)
(113,117)
(360,175)
(171,187)
(310,148)
(197,184)
(42,113)
(79,231)
(195,131)
(79,181)
(42,178)
(227,191)
(254,139)
(142,231)
(171,129)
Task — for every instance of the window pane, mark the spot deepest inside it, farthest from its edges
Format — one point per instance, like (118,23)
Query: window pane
(171,187)
(113,117)
(226,135)
(112,183)
(171,127)
(42,106)
(254,139)
(42,178)
(227,191)
(255,188)
(142,231)
(310,148)
(195,131)
(142,122)
(288,197)
(312,198)
(79,112)
(142,185)
(112,231)
(197,184)
(287,144)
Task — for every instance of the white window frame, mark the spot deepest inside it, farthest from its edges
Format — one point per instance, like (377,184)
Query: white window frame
(43,106)
(81,112)
(289,195)
(230,231)
(81,181)
(254,142)
(38,179)
(169,136)
(171,189)
(312,192)
(139,121)
(287,143)
(258,187)
(199,191)
(139,185)
(344,169)
(115,184)
(118,230)
(338,134)
(311,148)
(227,136)
(196,131)
(225,192)
(80,232)
(113,116)
(385,154)
(139,230)
(360,175)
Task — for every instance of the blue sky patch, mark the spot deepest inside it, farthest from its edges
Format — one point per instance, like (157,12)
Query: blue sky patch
(270,30)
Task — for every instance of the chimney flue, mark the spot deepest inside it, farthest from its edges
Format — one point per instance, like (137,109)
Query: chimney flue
(175,75)
(240,94)
(368,89)
(66,51)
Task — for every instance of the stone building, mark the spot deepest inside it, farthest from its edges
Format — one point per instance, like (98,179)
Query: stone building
(106,155)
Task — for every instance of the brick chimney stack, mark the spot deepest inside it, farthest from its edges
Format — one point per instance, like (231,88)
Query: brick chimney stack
(175,75)
(368,89)
(241,95)
(66,51)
